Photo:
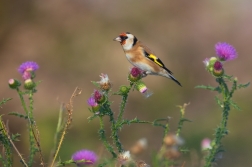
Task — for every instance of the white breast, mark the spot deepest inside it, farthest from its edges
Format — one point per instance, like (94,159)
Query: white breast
(140,65)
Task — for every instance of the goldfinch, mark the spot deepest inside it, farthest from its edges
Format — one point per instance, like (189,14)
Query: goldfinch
(142,57)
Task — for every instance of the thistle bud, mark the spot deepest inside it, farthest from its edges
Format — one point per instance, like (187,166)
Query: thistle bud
(29,84)
(141,87)
(14,84)
(135,74)
(124,90)
(99,97)
(218,70)
(212,60)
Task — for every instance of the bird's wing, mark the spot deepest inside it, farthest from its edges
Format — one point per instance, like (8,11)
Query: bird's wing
(151,56)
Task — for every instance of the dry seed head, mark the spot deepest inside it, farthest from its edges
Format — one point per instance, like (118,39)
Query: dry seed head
(139,146)
(142,164)
(124,158)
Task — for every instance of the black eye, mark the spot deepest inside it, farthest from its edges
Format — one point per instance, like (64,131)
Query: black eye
(124,37)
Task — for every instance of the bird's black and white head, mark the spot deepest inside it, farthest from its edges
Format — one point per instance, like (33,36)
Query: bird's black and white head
(127,40)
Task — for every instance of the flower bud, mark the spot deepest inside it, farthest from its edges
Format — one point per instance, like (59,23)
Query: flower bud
(212,60)
(218,70)
(29,84)
(206,144)
(135,74)
(131,78)
(99,97)
(124,90)
(141,87)
(14,84)
(218,73)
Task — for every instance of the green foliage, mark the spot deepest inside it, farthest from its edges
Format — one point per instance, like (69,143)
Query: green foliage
(225,104)
(218,89)
(15,137)
(117,123)
(243,85)
(6,157)
(4,101)
(18,115)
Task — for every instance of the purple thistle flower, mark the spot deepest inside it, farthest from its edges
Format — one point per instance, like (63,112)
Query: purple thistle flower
(218,65)
(26,75)
(28,66)
(91,101)
(89,157)
(135,72)
(225,51)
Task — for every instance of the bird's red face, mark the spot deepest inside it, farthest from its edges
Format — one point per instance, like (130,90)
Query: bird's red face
(122,38)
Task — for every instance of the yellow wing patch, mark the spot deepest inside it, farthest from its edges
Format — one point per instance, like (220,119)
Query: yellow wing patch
(156,60)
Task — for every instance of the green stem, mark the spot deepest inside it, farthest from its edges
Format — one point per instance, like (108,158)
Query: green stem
(103,138)
(31,131)
(116,126)
(128,122)
(114,130)
(123,104)
(122,108)
(20,93)
(6,159)
(29,114)
(221,131)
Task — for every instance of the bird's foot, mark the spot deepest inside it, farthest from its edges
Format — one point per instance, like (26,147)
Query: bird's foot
(144,74)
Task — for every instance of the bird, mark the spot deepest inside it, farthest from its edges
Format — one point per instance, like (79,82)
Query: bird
(142,57)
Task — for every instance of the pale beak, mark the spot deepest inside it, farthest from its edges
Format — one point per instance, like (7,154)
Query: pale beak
(118,39)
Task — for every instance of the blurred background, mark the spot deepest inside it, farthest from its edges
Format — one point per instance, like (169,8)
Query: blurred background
(72,43)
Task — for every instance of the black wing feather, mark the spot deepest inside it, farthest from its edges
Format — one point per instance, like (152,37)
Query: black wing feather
(157,61)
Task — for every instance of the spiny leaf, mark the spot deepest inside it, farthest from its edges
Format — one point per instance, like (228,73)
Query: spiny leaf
(185,120)
(4,101)
(15,137)
(218,101)
(18,115)
(234,105)
(96,84)
(38,82)
(209,88)
(92,117)
(229,77)
(243,85)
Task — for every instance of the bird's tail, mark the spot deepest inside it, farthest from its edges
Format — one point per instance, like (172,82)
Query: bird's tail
(174,79)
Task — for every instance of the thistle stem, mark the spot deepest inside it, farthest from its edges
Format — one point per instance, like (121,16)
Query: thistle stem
(221,131)
(103,138)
